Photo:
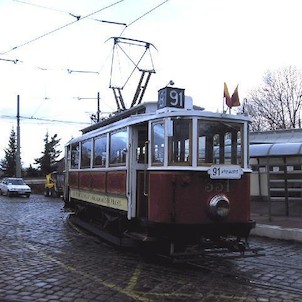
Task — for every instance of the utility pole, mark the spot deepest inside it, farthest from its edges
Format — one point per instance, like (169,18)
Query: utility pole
(98,109)
(94,117)
(18,156)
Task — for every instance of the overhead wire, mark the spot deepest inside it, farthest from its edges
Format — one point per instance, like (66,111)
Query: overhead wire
(45,120)
(61,27)
(41,6)
(78,18)
(69,70)
(11,60)
(148,12)
(42,103)
(69,13)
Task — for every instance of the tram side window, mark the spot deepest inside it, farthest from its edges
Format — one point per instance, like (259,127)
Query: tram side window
(118,147)
(158,143)
(180,142)
(219,143)
(141,150)
(86,147)
(75,156)
(100,148)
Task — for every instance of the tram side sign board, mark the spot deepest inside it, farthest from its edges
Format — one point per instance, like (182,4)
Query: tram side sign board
(225,172)
(171,97)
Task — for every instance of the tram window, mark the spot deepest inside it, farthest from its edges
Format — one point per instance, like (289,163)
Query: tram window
(141,145)
(99,152)
(219,143)
(180,142)
(118,147)
(158,143)
(74,156)
(86,147)
(68,156)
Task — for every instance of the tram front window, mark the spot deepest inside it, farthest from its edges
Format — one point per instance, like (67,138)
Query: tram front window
(219,143)
(180,142)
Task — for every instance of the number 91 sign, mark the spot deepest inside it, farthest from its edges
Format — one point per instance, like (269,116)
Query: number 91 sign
(171,97)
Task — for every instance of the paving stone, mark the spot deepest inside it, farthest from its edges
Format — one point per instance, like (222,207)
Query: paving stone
(44,259)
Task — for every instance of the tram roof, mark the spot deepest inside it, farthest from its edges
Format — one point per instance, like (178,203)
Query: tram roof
(275,150)
(140,109)
(148,111)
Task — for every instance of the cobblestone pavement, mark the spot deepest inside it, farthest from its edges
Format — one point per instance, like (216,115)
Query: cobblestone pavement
(44,258)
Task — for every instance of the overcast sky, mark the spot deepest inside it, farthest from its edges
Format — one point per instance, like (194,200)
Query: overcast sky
(200,44)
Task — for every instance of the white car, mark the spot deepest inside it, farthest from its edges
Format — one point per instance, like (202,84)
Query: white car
(14,186)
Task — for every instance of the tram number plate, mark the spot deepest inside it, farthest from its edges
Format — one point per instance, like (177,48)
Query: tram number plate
(225,172)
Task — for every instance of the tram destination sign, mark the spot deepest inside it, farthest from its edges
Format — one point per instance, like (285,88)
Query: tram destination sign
(225,172)
(171,97)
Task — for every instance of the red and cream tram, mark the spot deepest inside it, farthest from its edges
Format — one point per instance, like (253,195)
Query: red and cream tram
(168,173)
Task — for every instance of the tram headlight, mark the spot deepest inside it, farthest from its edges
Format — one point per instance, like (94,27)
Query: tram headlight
(219,207)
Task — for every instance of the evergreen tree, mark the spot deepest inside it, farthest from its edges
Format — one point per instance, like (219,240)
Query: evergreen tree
(47,163)
(31,172)
(8,164)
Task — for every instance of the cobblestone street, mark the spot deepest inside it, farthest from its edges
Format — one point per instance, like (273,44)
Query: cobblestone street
(45,258)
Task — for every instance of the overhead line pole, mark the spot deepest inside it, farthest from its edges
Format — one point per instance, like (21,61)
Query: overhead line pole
(94,117)
(98,109)
(18,153)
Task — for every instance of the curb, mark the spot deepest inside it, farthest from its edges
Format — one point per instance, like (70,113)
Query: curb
(276,232)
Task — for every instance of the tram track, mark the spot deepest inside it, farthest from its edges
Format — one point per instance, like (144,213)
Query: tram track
(240,278)
(278,264)
(243,279)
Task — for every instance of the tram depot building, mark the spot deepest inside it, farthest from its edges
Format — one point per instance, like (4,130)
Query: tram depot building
(276,162)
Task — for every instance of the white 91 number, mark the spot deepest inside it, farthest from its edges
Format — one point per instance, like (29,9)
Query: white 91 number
(176,98)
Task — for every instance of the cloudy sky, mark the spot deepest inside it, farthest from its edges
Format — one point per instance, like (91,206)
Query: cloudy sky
(57,55)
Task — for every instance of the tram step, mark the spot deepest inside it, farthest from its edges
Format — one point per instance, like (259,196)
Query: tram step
(139,236)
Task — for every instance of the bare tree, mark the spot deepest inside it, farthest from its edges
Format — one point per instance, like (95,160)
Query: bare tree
(277,103)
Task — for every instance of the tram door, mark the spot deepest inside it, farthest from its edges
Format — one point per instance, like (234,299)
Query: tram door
(138,171)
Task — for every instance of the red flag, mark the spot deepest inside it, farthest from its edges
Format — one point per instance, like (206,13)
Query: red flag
(231,101)
(235,98)
(226,95)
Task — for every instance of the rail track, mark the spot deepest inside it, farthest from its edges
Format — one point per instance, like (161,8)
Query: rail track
(248,277)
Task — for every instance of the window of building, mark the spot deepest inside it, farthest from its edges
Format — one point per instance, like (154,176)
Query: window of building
(118,147)
(99,152)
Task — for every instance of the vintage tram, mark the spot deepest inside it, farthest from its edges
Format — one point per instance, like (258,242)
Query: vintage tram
(168,175)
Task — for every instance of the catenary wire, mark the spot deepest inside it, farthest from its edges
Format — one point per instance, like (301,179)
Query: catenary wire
(61,27)
(44,7)
(69,13)
(148,12)
(45,120)
(78,18)
(71,70)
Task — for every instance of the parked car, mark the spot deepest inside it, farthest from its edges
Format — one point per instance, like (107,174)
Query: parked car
(14,186)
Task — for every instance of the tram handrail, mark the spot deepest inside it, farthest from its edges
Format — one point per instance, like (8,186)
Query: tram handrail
(145,169)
